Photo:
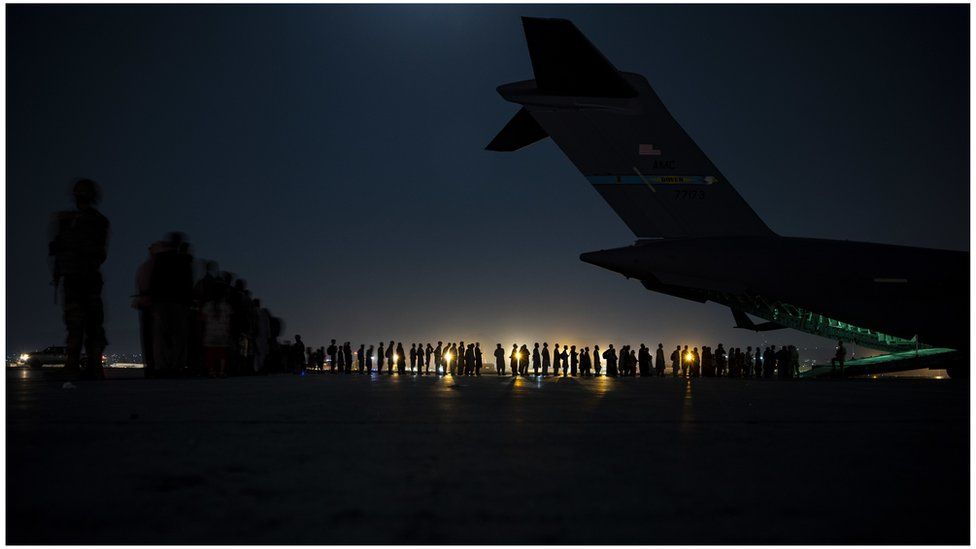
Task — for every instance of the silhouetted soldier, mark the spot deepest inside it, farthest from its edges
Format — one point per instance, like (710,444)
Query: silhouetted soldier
(341,365)
(390,357)
(676,360)
(564,359)
(499,360)
(524,361)
(597,365)
(573,361)
(79,249)
(413,358)
(369,360)
(536,360)
(360,358)
(685,361)
(427,352)
(477,358)
(380,358)
(347,354)
(546,360)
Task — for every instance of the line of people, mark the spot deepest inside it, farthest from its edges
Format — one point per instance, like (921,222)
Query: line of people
(467,359)
(211,326)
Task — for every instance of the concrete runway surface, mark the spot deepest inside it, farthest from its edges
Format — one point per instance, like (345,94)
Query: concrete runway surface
(352,459)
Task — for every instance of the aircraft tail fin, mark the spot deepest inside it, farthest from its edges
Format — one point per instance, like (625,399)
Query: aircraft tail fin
(618,133)
(566,63)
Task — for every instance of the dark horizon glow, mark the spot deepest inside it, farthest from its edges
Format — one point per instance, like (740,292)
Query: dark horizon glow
(333,156)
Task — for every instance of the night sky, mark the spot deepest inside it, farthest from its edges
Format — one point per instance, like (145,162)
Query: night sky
(333,156)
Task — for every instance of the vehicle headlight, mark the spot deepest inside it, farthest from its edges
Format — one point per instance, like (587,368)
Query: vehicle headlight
(24,357)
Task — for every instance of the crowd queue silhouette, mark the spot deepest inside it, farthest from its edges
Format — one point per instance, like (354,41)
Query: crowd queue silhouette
(212,326)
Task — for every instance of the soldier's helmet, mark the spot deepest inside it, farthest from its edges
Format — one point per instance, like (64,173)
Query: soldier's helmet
(87,190)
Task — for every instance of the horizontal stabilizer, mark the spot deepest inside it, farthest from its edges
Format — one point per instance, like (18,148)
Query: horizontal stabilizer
(521,130)
(566,63)
(743,321)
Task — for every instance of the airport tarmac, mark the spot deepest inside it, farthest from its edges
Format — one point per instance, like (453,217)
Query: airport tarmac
(356,459)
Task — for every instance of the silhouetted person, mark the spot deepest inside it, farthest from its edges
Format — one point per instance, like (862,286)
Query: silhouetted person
(469,359)
(142,302)
(462,359)
(333,351)
(380,358)
(360,358)
(341,365)
(659,364)
(478,358)
(171,291)
(439,358)
(413,358)
(513,359)
(564,359)
(347,354)
(720,360)
(546,360)
(524,360)
(840,355)
(369,360)
(499,359)
(78,249)
(453,358)
(597,365)
(783,361)
(215,317)
(557,357)
(427,354)
(644,361)
(685,361)
(676,360)
(585,361)
(573,361)
(611,357)
(390,357)
(400,358)
(536,360)
(769,362)
(298,354)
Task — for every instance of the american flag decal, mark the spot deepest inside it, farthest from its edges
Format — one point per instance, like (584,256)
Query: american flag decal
(648,150)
